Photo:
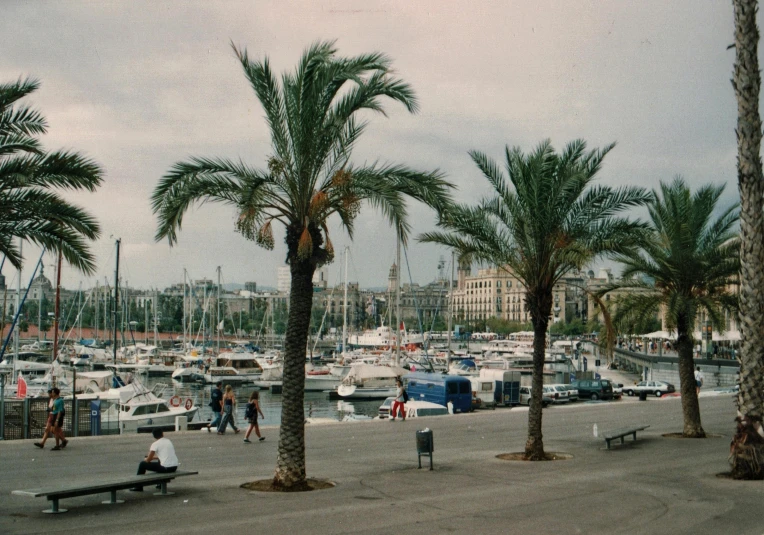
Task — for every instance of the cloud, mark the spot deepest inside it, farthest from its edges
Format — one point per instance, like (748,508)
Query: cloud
(141,85)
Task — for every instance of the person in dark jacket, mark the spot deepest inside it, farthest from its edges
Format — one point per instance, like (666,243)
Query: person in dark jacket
(216,404)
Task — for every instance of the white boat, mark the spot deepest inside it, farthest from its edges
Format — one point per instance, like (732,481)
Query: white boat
(370,382)
(138,406)
(28,363)
(190,368)
(234,368)
(324,378)
(384,338)
(38,346)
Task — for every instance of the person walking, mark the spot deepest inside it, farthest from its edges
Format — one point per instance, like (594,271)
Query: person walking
(698,379)
(253,408)
(58,413)
(399,401)
(48,422)
(229,410)
(216,404)
(161,458)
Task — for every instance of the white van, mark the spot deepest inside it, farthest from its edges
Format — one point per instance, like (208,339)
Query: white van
(483,393)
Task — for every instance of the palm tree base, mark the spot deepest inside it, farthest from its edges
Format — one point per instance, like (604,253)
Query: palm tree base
(747,450)
(548,456)
(270,485)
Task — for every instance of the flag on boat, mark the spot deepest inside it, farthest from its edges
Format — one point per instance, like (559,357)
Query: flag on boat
(21,387)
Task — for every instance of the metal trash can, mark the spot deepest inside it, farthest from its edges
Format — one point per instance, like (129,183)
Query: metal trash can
(424,445)
(643,396)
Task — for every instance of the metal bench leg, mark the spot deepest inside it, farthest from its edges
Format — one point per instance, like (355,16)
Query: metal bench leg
(635,436)
(163,491)
(113,499)
(622,440)
(608,443)
(54,510)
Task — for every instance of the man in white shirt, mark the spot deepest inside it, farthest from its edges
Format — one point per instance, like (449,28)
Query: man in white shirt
(698,379)
(161,457)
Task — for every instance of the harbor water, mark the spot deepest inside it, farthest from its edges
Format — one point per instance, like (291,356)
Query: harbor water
(317,404)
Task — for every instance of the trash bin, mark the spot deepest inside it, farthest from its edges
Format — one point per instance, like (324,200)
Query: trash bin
(424,445)
(643,396)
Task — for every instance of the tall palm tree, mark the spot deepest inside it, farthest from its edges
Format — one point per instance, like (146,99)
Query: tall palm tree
(313,116)
(748,444)
(688,265)
(545,220)
(30,208)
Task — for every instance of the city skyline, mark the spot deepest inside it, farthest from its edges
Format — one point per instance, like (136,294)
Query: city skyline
(138,86)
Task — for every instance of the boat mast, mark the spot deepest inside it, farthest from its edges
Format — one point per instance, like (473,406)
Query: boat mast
(398,301)
(154,319)
(57,307)
(217,318)
(17,329)
(116,300)
(450,306)
(97,305)
(345,307)
(184,309)
(146,322)
(79,310)
(39,311)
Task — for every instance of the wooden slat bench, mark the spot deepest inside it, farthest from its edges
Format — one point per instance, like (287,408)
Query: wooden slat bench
(621,433)
(54,494)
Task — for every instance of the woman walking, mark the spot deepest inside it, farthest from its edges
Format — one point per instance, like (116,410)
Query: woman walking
(58,414)
(48,423)
(229,408)
(253,408)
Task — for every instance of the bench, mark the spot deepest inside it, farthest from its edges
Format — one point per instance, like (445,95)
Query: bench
(54,494)
(621,433)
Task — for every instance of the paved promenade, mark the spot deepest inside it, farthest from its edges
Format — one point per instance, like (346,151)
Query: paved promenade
(656,485)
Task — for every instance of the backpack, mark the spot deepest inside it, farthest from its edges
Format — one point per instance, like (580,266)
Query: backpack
(405,395)
(250,410)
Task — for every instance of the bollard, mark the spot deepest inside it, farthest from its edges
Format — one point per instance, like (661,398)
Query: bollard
(181,423)
(424,445)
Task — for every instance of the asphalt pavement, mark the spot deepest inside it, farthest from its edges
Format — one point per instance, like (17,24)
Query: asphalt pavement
(653,485)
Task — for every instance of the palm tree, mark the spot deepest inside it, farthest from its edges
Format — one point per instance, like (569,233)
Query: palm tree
(748,444)
(545,220)
(313,118)
(30,209)
(688,265)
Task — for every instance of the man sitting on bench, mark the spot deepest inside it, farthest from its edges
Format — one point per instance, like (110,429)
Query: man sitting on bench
(161,457)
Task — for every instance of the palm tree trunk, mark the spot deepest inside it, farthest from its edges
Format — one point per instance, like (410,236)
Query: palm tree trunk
(540,308)
(690,406)
(290,465)
(748,443)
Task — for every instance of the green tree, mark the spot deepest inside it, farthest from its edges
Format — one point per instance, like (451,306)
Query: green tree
(748,443)
(313,116)
(691,261)
(30,208)
(545,220)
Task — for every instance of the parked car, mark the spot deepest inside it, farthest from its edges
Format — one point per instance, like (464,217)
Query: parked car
(594,389)
(558,393)
(572,392)
(525,397)
(617,390)
(657,388)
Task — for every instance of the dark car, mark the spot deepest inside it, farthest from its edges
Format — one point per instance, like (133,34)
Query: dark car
(594,388)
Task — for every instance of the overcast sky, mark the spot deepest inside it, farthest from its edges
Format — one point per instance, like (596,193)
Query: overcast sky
(138,86)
